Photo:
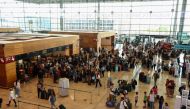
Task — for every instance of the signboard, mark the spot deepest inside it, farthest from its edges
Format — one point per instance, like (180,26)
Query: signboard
(5,60)
(182,47)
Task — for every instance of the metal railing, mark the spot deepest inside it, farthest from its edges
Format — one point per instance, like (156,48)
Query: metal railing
(74,91)
(34,104)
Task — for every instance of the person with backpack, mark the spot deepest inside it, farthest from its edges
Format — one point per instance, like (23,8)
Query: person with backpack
(123,104)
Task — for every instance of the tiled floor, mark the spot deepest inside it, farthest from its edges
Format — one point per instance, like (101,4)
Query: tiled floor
(91,98)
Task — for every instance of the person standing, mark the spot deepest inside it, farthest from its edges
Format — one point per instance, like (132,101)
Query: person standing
(145,100)
(136,99)
(123,104)
(151,100)
(155,76)
(1,101)
(17,88)
(39,88)
(161,102)
(52,99)
(98,79)
(12,97)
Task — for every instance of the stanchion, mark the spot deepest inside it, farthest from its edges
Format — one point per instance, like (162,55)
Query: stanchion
(98,91)
(18,104)
(74,96)
(91,98)
(105,84)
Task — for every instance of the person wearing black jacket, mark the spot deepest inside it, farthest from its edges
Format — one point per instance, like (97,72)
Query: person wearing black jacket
(183,87)
(1,101)
(161,102)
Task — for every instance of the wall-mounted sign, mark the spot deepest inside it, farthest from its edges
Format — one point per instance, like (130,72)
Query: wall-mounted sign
(5,60)
(182,47)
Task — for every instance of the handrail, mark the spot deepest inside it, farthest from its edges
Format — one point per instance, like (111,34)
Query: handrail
(90,92)
(68,88)
(33,104)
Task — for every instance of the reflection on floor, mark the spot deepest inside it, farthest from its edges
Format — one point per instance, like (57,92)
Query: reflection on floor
(89,97)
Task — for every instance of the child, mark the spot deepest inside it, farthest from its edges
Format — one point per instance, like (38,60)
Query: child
(165,106)
(145,100)
(136,98)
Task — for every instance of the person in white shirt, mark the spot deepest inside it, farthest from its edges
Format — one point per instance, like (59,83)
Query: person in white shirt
(123,104)
(151,100)
(12,97)
(98,79)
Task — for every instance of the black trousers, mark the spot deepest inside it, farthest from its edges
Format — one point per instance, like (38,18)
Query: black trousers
(13,101)
(103,73)
(98,81)
(39,92)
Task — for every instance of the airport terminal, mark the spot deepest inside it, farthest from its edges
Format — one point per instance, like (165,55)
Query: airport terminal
(94,54)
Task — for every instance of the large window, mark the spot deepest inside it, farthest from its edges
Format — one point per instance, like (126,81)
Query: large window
(123,17)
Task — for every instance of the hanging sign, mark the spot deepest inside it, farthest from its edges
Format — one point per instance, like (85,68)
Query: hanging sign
(5,60)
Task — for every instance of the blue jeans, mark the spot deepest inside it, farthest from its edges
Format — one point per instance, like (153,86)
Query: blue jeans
(160,105)
(151,105)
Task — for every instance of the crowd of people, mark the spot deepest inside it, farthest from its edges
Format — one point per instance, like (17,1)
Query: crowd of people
(90,66)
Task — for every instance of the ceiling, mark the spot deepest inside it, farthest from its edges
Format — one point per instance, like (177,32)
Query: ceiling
(81,1)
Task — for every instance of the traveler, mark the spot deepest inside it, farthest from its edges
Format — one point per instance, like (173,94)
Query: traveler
(52,99)
(17,88)
(161,102)
(12,96)
(98,79)
(123,104)
(151,100)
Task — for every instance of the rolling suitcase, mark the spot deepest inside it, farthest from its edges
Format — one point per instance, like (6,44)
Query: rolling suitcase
(110,104)
(116,68)
(148,80)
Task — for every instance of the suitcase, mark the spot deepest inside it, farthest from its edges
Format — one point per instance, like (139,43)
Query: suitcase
(148,80)
(62,106)
(129,105)
(110,104)
(183,107)
(116,68)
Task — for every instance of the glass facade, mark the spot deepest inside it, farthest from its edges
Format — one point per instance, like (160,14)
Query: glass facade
(121,16)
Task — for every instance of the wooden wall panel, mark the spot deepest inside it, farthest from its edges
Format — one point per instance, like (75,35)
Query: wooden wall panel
(1,50)
(106,41)
(9,30)
(17,48)
(3,79)
(10,73)
(7,74)
(87,39)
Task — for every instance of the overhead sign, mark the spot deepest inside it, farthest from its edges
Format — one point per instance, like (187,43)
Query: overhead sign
(182,47)
(5,60)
